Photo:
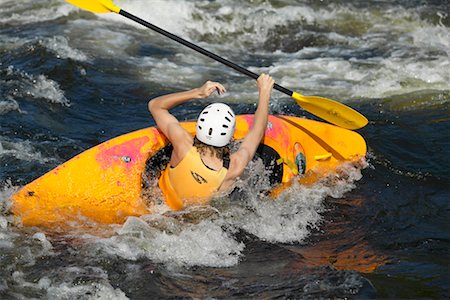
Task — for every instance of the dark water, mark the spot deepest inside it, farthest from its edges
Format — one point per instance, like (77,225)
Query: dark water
(70,80)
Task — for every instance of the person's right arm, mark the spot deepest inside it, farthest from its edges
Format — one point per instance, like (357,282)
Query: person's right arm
(240,159)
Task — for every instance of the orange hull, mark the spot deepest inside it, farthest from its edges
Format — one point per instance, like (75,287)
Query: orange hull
(104,183)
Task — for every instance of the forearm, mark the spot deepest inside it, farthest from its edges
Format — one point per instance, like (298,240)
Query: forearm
(253,138)
(247,150)
(261,115)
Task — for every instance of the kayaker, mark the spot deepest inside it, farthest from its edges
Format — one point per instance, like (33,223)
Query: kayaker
(201,166)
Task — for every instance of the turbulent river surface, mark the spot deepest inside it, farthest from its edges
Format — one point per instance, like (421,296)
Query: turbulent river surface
(70,80)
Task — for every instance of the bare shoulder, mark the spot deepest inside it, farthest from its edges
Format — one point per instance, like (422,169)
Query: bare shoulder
(181,141)
(178,135)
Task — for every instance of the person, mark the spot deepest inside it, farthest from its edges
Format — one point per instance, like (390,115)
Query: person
(202,166)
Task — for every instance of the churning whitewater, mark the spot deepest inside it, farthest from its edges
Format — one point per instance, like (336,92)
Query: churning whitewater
(70,80)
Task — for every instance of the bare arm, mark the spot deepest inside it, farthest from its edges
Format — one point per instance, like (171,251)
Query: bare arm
(159,108)
(240,159)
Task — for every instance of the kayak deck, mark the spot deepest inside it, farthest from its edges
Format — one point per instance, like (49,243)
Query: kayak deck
(104,183)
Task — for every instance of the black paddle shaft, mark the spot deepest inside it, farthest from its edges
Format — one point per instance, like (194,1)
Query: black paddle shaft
(201,50)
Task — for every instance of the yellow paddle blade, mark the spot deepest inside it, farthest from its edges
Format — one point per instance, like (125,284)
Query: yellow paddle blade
(331,111)
(96,6)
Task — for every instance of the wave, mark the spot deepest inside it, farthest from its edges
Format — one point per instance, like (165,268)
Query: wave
(57,44)
(60,46)
(22,150)
(9,105)
(6,190)
(333,48)
(341,50)
(68,285)
(19,84)
(28,12)
(210,236)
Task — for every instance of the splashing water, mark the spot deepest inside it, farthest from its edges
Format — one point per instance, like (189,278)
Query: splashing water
(212,239)
(70,80)
(23,85)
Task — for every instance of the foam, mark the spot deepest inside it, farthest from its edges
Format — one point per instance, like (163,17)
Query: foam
(6,190)
(351,79)
(29,12)
(383,76)
(432,37)
(235,26)
(296,210)
(57,44)
(9,105)
(66,285)
(19,254)
(335,283)
(5,218)
(172,15)
(175,75)
(211,239)
(22,150)
(289,219)
(60,46)
(35,86)
(100,39)
(185,71)
(203,244)
(46,244)
(11,43)
(12,241)
(244,25)
(395,76)
(401,36)
(95,290)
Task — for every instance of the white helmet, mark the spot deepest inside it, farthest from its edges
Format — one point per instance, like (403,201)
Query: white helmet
(215,125)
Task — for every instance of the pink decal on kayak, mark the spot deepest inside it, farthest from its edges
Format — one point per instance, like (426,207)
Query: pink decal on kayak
(126,154)
(249,120)
(276,130)
(155,134)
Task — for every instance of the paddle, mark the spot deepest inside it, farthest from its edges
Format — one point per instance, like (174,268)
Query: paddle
(327,109)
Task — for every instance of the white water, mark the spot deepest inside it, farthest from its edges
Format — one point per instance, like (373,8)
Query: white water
(203,244)
(212,241)
(236,28)
(28,12)
(239,28)
(67,287)
(414,56)
(20,251)
(5,219)
(22,150)
(209,241)
(229,28)
(21,84)
(9,105)
(60,46)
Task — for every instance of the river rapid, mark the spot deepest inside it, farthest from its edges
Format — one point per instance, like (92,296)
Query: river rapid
(70,80)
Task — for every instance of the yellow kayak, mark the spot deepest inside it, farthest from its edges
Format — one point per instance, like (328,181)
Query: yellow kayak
(104,183)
